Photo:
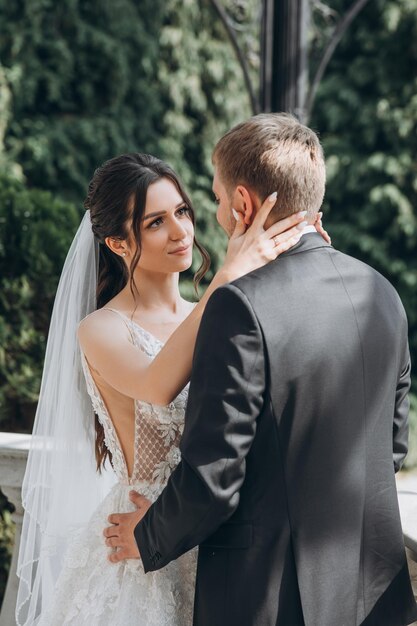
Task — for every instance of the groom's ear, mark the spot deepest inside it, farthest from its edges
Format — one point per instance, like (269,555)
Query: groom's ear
(244,203)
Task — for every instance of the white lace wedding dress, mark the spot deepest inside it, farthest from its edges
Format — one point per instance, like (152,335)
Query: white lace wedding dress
(92,591)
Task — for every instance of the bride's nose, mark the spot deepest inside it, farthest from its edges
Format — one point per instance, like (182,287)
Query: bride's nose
(178,230)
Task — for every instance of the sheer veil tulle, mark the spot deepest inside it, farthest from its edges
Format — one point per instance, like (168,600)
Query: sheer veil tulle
(61,488)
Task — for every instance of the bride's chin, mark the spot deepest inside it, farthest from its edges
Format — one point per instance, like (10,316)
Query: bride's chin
(182,265)
(185,266)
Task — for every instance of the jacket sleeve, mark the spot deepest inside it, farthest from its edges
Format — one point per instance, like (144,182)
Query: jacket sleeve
(402,407)
(225,398)
(402,400)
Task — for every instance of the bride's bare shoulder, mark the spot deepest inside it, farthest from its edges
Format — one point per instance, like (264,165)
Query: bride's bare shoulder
(102,324)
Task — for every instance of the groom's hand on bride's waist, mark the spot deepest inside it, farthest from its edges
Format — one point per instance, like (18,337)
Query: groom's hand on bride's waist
(120,535)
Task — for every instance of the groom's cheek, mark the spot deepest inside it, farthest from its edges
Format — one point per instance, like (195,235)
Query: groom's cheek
(225,220)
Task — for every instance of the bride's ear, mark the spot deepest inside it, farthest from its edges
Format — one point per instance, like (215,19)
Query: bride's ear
(243,203)
(118,246)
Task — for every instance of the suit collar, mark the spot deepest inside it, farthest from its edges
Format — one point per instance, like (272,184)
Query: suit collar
(309,241)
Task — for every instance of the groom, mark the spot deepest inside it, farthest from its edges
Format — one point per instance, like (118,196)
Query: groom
(296,421)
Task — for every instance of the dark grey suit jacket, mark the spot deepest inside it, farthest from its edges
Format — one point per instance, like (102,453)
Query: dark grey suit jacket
(296,420)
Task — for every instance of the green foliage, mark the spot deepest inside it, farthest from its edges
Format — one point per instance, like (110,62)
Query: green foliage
(6,164)
(36,231)
(82,79)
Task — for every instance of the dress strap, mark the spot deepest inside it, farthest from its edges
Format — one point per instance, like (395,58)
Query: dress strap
(126,320)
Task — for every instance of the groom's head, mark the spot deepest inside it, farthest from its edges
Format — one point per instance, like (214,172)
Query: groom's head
(269,152)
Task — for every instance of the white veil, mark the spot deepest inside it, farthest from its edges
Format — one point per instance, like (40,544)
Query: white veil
(61,487)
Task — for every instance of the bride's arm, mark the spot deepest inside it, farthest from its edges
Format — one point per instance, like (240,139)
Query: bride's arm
(127,369)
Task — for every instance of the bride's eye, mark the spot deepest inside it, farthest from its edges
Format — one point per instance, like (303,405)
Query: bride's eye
(184,210)
(155,223)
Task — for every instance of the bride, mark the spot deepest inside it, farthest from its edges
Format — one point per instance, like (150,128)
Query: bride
(121,390)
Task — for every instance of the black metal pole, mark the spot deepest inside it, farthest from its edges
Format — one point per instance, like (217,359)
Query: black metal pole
(284,56)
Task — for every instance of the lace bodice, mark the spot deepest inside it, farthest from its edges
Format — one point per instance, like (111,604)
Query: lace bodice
(158,429)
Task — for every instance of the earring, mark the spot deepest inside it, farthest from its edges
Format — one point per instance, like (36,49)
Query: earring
(124,254)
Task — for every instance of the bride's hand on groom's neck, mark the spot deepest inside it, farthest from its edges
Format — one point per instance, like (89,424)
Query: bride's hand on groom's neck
(120,536)
(251,247)
(319,227)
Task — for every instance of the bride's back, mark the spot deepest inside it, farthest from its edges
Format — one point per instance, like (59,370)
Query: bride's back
(121,411)
(142,438)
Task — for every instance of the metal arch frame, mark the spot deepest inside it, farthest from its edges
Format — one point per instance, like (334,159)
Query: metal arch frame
(339,31)
(240,56)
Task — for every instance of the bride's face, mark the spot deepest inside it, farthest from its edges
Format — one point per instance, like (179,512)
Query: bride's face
(167,232)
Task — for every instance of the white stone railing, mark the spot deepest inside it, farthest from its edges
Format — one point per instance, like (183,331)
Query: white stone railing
(407,497)
(13,455)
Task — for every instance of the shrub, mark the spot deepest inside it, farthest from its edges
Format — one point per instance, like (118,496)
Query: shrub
(36,231)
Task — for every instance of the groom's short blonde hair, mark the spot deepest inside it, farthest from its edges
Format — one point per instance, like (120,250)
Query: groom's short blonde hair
(274,152)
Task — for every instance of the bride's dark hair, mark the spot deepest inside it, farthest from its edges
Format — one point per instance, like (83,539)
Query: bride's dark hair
(110,193)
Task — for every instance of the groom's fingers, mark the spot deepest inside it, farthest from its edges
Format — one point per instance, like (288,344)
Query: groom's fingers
(114,519)
(112,542)
(122,554)
(115,557)
(110,531)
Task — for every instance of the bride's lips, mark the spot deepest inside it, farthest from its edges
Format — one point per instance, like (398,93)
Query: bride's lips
(182,250)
